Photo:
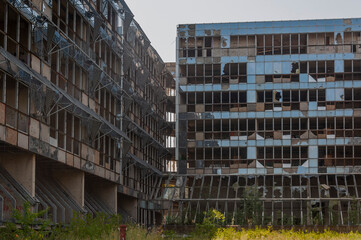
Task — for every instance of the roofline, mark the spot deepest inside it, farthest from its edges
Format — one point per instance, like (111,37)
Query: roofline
(262,21)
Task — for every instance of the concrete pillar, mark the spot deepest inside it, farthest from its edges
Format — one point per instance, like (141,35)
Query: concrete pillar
(21,166)
(73,181)
(129,205)
(107,192)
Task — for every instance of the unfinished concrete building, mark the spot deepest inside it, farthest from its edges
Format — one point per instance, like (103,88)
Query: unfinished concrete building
(274,105)
(83,106)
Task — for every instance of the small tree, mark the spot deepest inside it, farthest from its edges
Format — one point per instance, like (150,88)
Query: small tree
(354,212)
(334,212)
(207,229)
(33,226)
(252,206)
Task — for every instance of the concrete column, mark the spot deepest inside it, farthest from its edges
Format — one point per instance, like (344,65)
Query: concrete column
(73,181)
(107,192)
(129,205)
(21,166)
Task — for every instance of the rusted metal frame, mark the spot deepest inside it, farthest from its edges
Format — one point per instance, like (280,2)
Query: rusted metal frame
(159,188)
(48,115)
(190,197)
(129,166)
(210,187)
(357,196)
(181,195)
(218,191)
(228,185)
(235,203)
(103,86)
(308,189)
(341,217)
(62,108)
(60,49)
(104,134)
(157,181)
(149,175)
(201,189)
(197,209)
(200,197)
(165,190)
(319,195)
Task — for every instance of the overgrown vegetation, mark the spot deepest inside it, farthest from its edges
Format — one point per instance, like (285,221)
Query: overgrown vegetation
(257,233)
(249,213)
(138,233)
(211,222)
(28,225)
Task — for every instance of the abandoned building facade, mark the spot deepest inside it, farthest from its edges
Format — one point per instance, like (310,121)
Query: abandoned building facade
(270,105)
(84,104)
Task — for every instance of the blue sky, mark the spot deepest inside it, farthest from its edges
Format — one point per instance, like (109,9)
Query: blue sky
(159,18)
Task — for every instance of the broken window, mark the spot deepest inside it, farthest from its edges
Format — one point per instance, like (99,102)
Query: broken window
(208,42)
(191,52)
(303,67)
(268,96)
(2,16)
(260,96)
(277,44)
(234,69)
(338,38)
(251,124)
(23,98)
(285,44)
(24,32)
(348,65)
(321,67)
(321,94)
(13,22)
(260,44)
(234,41)
(268,44)
(294,44)
(199,98)
(303,43)
(243,97)
(312,67)
(11,91)
(330,66)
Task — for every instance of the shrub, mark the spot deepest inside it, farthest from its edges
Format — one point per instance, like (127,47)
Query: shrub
(207,229)
(135,232)
(88,227)
(227,234)
(26,225)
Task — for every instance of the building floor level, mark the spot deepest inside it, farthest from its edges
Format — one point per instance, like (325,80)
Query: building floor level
(274,106)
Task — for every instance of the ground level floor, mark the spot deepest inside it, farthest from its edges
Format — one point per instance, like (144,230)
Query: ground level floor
(331,199)
(62,189)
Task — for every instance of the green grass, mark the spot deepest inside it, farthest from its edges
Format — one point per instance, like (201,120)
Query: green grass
(137,233)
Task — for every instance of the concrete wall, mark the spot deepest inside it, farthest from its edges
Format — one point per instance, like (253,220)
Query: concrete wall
(73,181)
(129,205)
(21,166)
(104,191)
